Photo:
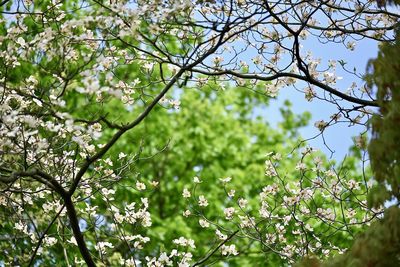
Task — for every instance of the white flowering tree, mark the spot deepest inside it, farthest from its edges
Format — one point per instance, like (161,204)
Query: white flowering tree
(77,81)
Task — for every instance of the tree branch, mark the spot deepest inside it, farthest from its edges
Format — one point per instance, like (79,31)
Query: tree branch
(73,219)
(215,249)
(4,2)
(143,115)
(292,75)
(118,134)
(39,176)
(43,235)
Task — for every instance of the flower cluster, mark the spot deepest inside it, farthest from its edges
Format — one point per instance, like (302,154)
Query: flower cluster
(294,215)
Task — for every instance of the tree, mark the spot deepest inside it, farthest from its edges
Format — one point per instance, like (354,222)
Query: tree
(78,81)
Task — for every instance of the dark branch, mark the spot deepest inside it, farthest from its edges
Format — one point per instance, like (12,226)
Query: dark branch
(74,223)
(215,249)
(43,235)
(292,75)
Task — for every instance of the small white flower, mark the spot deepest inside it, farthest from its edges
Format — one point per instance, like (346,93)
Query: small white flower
(220,235)
(203,223)
(140,186)
(225,180)
(37,102)
(184,242)
(154,183)
(229,212)
(72,241)
(351,45)
(49,241)
(353,184)
(196,180)
(300,166)
(231,193)
(309,93)
(175,103)
(271,90)
(186,193)
(101,246)
(108,162)
(242,203)
(203,201)
(21,42)
(20,226)
(148,66)
(320,125)
(218,60)
(228,250)
(107,192)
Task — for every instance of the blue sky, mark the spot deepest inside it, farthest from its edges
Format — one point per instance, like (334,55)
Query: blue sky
(338,137)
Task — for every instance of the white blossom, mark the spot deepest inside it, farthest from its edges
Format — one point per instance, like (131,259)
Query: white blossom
(229,250)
